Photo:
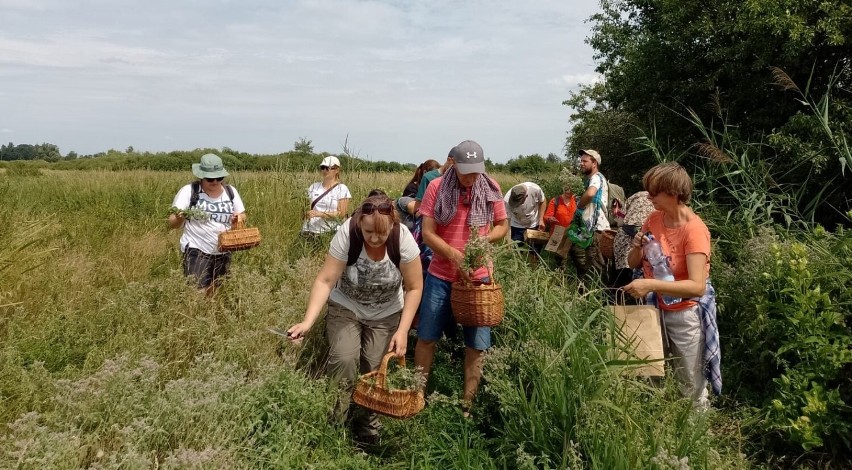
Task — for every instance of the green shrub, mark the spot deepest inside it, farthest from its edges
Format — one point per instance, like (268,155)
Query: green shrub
(785,316)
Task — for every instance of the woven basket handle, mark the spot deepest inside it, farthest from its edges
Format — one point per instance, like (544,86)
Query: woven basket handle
(381,377)
(239,224)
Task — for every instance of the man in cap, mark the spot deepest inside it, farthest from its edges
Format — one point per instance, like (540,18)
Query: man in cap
(526,205)
(592,209)
(461,198)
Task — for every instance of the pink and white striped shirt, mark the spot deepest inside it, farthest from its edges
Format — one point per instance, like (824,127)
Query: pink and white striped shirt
(456,232)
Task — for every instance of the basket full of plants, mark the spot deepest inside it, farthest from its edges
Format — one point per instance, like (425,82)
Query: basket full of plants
(397,394)
(477,303)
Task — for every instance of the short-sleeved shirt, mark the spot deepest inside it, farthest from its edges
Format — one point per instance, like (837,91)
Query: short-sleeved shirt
(598,181)
(371,289)
(693,237)
(636,210)
(204,234)
(525,214)
(424,183)
(563,211)
(328,203)
(456,233)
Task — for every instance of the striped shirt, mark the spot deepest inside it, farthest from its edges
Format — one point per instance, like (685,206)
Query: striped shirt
(456,232)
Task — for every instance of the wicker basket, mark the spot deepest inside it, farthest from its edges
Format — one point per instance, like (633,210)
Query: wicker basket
(477,304)
(372,393)
(605,243)
(239,238)
(536,236)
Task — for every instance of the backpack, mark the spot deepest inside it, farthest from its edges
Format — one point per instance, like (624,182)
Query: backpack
(356,242)
(615,205)
(196,191)
(425,252)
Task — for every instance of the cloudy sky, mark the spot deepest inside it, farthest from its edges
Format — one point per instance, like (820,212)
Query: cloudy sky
(405,79)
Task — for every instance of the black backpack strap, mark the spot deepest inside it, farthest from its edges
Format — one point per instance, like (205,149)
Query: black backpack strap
(356,243)
(393,246)
(194,192)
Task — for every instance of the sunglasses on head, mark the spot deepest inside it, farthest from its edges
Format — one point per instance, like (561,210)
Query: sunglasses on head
(210,180)
(384,208)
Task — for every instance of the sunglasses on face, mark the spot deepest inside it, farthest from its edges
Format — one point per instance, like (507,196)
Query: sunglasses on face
(326,168)
(210,180)
(384,208)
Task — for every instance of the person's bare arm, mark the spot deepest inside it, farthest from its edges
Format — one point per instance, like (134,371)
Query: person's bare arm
(331,271)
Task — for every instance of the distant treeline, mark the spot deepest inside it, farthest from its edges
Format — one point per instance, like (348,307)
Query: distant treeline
(301,158)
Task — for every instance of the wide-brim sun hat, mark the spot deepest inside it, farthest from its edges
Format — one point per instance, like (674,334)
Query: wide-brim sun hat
(210,167)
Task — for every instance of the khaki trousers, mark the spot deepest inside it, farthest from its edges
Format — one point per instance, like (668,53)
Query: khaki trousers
(356,347)
(588,261)
(686,344)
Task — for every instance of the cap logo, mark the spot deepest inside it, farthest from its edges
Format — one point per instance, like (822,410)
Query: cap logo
(471,154)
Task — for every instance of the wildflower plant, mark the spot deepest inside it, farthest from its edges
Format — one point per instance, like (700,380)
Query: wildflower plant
(477,251)
(570,178)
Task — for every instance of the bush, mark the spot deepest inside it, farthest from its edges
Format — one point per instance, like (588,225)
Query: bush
(785,314)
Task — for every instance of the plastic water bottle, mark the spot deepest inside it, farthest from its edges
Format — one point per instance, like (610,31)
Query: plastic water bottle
(659,262)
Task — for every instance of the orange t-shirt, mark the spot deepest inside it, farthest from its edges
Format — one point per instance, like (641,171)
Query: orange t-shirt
(694,237)
(564,213)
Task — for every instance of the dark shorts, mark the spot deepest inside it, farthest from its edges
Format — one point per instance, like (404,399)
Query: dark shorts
(206,269)
(436,313)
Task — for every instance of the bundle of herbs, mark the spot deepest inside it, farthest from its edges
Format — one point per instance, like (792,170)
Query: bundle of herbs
(478,251)
(570,178)
(191,213)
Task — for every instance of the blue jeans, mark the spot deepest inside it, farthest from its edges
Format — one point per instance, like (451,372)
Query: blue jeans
(517,234)
(436,313)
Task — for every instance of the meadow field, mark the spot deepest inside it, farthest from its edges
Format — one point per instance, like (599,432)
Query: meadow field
(108,359)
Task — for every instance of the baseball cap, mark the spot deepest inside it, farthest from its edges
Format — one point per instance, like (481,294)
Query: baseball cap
(592,153)
(330,160)
(469,157)
(518,194)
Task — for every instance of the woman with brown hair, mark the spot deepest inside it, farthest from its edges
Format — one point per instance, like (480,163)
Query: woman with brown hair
(674,236)
(372,281)
(411,188)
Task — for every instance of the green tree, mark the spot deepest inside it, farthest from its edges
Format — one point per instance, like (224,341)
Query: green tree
(610,131)
(667,65)
(303,145)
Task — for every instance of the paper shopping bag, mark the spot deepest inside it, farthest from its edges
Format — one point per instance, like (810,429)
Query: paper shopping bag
(638,336)
(558,242)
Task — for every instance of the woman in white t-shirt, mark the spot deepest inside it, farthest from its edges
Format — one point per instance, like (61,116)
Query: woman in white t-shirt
(199,242)
(371,303)
(329,200)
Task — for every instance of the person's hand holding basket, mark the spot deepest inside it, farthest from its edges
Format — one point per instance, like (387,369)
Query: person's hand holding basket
(477,303)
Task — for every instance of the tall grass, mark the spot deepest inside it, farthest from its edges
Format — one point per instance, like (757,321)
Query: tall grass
(108,359)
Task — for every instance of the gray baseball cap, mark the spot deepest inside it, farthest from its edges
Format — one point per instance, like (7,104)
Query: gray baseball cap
(469,157)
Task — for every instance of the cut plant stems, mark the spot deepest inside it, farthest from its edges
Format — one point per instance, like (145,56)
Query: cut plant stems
(190,214)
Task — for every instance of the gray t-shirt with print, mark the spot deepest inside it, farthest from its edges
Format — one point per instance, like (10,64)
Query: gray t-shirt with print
(371,289)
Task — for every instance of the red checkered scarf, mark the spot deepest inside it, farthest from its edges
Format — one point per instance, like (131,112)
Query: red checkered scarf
(483,193)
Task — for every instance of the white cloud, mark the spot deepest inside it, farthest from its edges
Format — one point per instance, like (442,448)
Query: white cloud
(405,79)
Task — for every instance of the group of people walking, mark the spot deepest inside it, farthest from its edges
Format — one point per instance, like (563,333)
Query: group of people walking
(374,279)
